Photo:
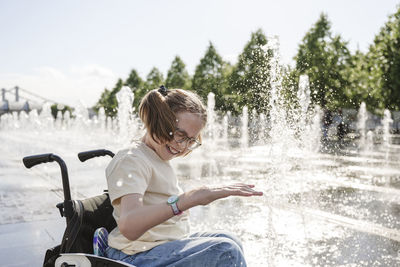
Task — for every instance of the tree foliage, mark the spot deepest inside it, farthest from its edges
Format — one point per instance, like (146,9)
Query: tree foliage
(154,79)
(211,76)
(177,76)
(290,84)
(250,77)
(337,77)
(137,86)
(359,89)
(108,100)
(383,60)
(55,108)
(324,58)
(134,81)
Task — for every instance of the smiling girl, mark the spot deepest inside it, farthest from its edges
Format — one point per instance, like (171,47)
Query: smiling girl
(150,208)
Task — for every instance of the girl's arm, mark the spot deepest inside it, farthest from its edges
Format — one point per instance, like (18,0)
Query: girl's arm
(136,219)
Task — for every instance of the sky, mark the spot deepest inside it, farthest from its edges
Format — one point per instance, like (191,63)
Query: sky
(70,51)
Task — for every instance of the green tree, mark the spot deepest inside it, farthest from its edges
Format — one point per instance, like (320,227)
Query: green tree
(250,78)
(324,58)
(383,60)
(154,79)
(177,76)
(108,100)
(137,86)
(210,76)
(134,81)
(55,108)
(102,102)
(290,84)
(360,89)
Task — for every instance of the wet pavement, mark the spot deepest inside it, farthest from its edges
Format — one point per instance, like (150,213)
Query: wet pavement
(319,209)
(25,244)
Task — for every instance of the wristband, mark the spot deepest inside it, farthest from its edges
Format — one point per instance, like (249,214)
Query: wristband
(172,200)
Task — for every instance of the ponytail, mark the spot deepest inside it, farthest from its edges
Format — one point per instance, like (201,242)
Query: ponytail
(157,116)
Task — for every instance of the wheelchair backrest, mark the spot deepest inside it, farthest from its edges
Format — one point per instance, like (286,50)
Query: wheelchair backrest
(89,214)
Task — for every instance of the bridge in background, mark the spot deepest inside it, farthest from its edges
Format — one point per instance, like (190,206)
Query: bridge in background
(21,100)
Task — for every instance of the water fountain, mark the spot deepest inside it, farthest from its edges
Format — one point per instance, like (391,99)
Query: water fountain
(319,209)
(244,139)
(386,126)
(369,141)
(362,118)
(128,126)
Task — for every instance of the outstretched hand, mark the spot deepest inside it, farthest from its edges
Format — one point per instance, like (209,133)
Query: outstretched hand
(206,195)
(136,218)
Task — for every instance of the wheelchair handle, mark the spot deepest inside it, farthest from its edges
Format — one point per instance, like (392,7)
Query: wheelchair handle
(84,156)
(31,161)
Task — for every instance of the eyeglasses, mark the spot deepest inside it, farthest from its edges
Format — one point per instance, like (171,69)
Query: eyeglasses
(190,143)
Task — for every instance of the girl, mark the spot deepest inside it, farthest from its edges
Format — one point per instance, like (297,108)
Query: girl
(150,208)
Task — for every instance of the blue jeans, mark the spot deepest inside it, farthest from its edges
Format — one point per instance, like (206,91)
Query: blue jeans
(200,249)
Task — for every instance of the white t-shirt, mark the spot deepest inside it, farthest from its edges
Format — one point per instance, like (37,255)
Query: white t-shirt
(140,170)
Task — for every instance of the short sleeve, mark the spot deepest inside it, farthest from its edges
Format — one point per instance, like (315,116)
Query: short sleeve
(128,174)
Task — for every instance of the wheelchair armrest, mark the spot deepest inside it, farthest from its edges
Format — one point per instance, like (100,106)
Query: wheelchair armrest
(87,260)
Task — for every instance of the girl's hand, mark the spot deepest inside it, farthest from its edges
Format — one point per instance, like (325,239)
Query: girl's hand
(206,195)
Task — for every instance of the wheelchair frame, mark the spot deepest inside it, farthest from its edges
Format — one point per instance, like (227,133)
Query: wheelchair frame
(73,250)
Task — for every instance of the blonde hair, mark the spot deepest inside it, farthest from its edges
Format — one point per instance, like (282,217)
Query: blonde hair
(158,111)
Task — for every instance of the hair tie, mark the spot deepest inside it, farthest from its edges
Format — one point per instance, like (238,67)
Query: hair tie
(162,90)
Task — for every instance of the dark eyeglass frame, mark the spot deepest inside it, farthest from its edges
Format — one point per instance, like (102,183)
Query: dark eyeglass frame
(186,139)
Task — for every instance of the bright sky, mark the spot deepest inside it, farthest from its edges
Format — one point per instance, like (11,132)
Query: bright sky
(69,51)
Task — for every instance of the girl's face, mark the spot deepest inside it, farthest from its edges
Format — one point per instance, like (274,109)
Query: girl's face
(188,124)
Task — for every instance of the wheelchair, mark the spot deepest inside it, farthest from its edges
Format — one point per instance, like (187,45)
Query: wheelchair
(83,217)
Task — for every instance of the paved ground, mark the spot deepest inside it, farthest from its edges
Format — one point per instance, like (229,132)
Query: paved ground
(29,221)
(24,244)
